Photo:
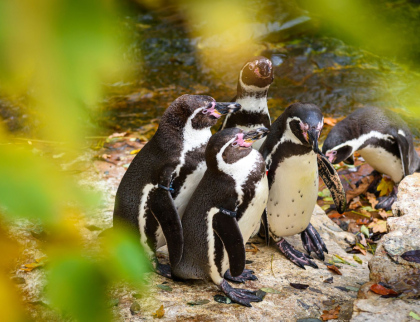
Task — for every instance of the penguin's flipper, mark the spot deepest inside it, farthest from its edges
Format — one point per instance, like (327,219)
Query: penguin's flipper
(163,209)
(227,228)
(333,182)
(404,148)
(265,225)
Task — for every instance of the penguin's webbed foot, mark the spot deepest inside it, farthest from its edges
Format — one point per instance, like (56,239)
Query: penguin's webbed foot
(247,275)
(295,256)
(238,295)
(164,270)
(312,242)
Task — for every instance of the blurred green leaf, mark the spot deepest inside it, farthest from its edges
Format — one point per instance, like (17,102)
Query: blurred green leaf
(77,286)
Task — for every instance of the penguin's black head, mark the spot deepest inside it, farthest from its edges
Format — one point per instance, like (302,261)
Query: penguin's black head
(231,145)
(305,121)
(335,148)
(200,110)
(256,74)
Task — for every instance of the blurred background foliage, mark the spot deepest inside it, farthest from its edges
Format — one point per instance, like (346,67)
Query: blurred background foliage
(71,70)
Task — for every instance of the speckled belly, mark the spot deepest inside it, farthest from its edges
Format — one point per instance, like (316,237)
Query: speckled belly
(293,195)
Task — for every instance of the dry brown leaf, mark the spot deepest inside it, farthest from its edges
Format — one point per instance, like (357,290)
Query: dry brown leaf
(159,313)
(378,226)
(384,214)
(117,135)
(254,249)
(355,203)
(382,290)
(357,191)
(363,221)
(363,251)
(334,269)
(330,121)
(372,199)
(331,314)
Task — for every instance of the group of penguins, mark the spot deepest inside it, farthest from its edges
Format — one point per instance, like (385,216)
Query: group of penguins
(205,195)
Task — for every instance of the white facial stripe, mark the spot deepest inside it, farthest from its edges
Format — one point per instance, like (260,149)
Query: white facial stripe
(401,132)
(287,136)
(251,88)
(192,138)
(356,143)
(239,170)
(214,273)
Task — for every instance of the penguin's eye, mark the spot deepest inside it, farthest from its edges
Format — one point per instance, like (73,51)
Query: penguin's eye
(333,152)
(251,66)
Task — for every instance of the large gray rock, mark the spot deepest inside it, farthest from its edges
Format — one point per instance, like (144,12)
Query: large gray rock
(387,265)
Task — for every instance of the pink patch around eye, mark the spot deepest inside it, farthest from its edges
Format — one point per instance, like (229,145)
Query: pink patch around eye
(241,142)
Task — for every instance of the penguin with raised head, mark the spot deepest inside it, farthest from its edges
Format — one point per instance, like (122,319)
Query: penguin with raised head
(293,162)
(159,182)
(223,212)
(254,81)
(384,141)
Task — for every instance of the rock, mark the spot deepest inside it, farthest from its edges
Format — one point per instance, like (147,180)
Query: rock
(387,265)
(274,272)
(373,310)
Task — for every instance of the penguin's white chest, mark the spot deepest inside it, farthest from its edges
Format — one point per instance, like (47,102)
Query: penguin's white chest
(187,189)
(383,161)
(293,195)
(251,218)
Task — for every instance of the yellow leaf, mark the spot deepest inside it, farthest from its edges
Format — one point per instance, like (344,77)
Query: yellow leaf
(378,226)
(135,151)
(39,262)
(159,313)
(385,186)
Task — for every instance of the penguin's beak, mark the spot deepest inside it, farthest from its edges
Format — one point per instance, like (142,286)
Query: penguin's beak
(217,109)
(313,135)
(246,139)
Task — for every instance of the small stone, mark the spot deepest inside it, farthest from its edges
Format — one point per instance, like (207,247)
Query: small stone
(135,308)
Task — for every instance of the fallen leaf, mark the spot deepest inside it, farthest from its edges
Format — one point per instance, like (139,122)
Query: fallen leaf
(363,221)
(357,259)
(357,191)
(39,262)
(334,269)
(362,240)
(355,203)
(372,199)
(117,135)
(378,226)
(254,249)
(382,290)
(364,230)
(339,259)
(261,294)
(159,313)
(414,316)
(331,314)
(360,248)
(198,302)
(329,280)
(385,214)
(334,214)
(412,256)
(135,151)
(330,121)
(222,299)
(164,287)
(270,290)
(385,186)
(299,286)
(351,288)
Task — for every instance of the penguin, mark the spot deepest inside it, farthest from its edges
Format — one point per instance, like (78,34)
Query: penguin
(160,180)
(223,212)
(384,141)
(254,81)
(293,163)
